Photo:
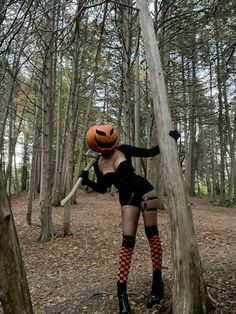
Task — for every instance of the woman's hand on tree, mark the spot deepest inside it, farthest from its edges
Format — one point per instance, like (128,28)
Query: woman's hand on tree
(175,134)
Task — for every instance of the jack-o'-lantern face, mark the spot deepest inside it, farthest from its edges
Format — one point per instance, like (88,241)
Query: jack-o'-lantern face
(102,138)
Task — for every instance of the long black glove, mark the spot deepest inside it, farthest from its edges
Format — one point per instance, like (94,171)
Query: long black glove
(96,186)
(84,175)
(175,134)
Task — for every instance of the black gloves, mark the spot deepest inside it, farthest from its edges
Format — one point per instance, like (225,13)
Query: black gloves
(175,134)
(84,175)
(98,187)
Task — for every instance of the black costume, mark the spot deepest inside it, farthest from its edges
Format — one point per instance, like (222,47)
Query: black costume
(131,187)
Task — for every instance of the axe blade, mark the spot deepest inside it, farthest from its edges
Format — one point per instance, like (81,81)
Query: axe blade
(91,153)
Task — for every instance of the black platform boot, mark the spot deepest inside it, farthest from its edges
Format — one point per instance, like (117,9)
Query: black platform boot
(123,299)
(157,293)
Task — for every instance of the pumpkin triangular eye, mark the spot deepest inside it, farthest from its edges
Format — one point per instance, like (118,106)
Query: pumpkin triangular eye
(112,131)
(101,133)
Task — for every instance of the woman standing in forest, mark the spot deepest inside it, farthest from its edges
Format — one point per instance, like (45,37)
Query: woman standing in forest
(136,195)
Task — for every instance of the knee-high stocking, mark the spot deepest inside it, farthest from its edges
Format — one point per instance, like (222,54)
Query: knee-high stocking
(155,247)
(124,266)
(157,292)
(125,259)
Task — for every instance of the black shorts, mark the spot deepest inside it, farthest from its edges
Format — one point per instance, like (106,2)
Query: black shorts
(134,198)
(130,198)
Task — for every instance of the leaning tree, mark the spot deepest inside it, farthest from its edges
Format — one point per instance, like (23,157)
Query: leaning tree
(189,293)
(14,291)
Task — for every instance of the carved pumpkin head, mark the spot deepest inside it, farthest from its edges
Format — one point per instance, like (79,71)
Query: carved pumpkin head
(102,138)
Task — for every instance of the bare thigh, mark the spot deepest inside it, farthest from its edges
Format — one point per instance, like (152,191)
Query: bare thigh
(130,218)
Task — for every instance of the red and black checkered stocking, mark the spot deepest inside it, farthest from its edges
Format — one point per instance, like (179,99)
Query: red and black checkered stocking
(155,246)
(125,258)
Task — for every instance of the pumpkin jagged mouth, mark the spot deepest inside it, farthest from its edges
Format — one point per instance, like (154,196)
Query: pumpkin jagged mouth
(104,145)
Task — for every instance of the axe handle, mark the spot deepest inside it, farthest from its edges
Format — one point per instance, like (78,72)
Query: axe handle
(77,184)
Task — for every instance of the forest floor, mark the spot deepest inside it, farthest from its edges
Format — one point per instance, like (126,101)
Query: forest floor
(77,274)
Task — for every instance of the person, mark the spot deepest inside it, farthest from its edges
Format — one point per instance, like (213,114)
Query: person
(136,195)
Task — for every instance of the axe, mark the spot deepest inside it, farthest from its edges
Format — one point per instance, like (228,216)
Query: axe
(90,153)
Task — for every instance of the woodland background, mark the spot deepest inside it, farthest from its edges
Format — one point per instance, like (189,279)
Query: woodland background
(77,274)
(65,65)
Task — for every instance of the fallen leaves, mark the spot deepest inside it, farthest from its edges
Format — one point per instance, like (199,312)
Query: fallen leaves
(78,274)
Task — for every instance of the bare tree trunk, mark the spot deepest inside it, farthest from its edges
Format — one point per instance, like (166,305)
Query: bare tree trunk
(56,197)
(150,133)
(33,180)
(24,168)
(206,165)
(10,150)
(14,132)
(72,119)
(10,112)
(14,291)
(156,175)
(90,97)
(66,220)
(221,114)
(188,285)
(16,189)
(190,160)
(137,111)
(233,161)
(78,60)
(162,32)
(58,110)
(212,136)
(126,68)
(47,231)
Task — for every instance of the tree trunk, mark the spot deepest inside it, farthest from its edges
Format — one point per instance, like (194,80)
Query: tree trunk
(66,220)
(206,165)
(57,168)
(72,119)
(126,69)
(47,232)
(14,291)
(34,171)
(96,73)
(24,169)
(10,151)
(190,160)
(233,161)
(188,285)
(221,114)
(16,189)
(137,111)
(212,136)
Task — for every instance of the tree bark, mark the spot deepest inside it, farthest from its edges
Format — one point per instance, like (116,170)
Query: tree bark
(212,135)
(138,168)
(24,168)
(14,290)
(58,158)
(206,165)
(190,155)
(34,175)
(221,113)
(126,69)
(47,231)
(188,285)
(73,111)
(233,161)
